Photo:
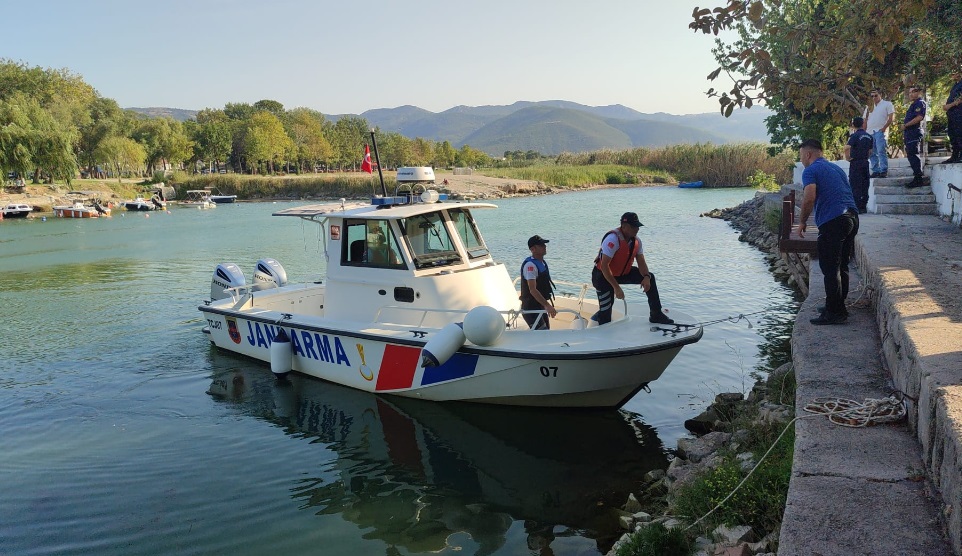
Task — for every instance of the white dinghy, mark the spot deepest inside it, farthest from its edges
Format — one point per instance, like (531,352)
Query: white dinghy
(415,305)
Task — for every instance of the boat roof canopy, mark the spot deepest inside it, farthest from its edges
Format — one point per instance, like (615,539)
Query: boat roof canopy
(381,212)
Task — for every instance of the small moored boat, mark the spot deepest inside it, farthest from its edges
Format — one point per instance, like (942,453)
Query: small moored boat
(415,305)
(16,210)
(220,198)
(80,210)
(690,184)
(140,205)
(199,198)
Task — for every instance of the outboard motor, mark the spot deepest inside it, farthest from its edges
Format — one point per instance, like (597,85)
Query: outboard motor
(99,207)
(157,202)
(269,274)
(227,275)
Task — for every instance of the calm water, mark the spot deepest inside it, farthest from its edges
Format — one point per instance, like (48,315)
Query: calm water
(124,432)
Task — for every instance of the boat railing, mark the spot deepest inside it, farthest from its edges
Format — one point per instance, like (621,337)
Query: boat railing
(510,316)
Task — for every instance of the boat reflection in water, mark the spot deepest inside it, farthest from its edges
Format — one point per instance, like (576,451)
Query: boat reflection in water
(423,475)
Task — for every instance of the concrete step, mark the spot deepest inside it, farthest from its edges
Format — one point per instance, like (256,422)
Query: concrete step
(902,190)
(902,208)
(906,199)
(897,172)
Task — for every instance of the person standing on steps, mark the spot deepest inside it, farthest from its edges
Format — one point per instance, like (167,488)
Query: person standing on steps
(856,153)
(537,289)
(613,266)
(912,132)
(953,109)
(828,193)
(879,120)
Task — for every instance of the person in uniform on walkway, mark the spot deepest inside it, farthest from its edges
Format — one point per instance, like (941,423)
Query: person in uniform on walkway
(879,120)
(828,193)
(856,153)
(953,109)
(613,266)
(912,132)
(537,289)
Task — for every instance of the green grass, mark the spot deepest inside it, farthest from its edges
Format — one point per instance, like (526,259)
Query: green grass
(581,176)
(286,187)
(657,540)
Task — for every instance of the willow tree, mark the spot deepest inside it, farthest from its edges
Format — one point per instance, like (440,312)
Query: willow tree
(265,140)
(124,156)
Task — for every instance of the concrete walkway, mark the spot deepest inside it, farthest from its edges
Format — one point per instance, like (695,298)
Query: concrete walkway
(880,490)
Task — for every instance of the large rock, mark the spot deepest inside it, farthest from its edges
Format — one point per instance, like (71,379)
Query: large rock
(695,449)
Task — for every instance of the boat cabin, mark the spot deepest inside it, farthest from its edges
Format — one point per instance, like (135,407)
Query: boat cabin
(399,259)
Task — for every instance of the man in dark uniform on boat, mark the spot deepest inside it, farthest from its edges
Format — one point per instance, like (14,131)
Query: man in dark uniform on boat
(537,289)
(613,266)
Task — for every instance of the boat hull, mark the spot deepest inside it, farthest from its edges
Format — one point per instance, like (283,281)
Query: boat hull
(77,213)
(506,373)
(223,199)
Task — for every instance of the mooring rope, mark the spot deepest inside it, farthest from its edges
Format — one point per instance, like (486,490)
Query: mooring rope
(871,411)
(850,413)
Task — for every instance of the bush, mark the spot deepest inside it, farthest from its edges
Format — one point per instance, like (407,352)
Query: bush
(656,540)
(773,220)
(764,181)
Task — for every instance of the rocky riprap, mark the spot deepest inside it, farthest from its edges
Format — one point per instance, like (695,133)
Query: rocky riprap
(715,432)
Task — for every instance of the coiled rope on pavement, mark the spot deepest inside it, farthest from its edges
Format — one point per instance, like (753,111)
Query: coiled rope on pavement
(850,413)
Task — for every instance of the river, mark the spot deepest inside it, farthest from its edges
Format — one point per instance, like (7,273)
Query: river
(124,432)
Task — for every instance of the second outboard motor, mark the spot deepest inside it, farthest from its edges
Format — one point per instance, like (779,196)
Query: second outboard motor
(269,274)
(226,275)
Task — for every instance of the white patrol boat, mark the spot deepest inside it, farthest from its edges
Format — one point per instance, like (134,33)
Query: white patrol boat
(415,305)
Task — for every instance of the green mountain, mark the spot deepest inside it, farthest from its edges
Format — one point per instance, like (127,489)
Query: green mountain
(179,114)
(555,130)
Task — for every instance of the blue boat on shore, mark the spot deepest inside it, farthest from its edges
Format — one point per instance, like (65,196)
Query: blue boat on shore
(690,184)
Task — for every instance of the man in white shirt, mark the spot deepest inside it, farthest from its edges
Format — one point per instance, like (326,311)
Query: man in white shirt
(878,123)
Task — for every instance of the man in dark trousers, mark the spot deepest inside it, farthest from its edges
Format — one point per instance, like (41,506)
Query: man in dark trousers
(953,109)
(613,266)
(912,132)
(537,289)
(857,151)
(828,193)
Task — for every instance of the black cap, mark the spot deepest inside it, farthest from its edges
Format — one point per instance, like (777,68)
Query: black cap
(631,218)
(536,240)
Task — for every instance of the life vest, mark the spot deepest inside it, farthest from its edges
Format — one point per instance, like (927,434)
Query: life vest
(624,256)
(543,282)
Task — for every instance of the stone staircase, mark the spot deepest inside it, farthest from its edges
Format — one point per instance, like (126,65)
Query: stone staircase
(889,195)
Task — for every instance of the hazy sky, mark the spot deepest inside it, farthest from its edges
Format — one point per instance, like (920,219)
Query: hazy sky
(348,57)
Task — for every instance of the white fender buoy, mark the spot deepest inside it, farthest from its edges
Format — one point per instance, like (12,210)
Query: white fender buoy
(442,345)
(282,356)
(578,324)
(483,325)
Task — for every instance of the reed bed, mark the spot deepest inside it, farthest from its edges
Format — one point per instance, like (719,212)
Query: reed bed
(581,175)
(715,165)
(328,186)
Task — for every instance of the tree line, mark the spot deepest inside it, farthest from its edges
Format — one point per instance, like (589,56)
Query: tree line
(54,125)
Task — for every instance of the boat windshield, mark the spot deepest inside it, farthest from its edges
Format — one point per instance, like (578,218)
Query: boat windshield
(468,230)
(429,241)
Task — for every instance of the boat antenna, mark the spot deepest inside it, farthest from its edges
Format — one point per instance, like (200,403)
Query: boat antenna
(377,159)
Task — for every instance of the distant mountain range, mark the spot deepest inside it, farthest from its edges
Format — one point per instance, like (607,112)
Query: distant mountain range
(552,127)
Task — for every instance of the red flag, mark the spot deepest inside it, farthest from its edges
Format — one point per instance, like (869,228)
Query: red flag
(366,165)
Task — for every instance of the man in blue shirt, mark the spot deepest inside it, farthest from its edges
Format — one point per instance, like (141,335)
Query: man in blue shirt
(857,151)
(953,109)
(912,132)
(827,192)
